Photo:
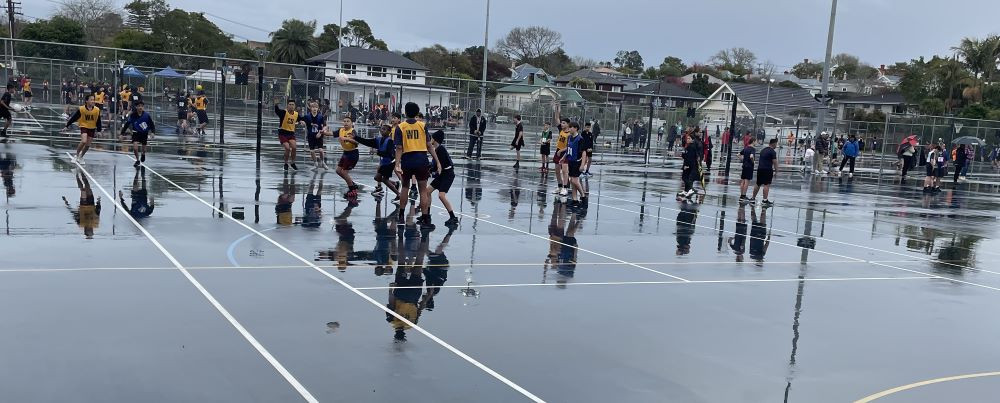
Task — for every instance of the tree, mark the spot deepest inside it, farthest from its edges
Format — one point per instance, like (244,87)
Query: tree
(582,83)
(357,33)
(701,85)
(950,75)
(327,40)
(138,40)
(807,69)
(932,106)
(89,14)
(141,13)
(652,73)
(293,42)
(56,29)
(582,62)
(975,111)
(765,70)
(557,63)
(523,43)
(496,69)
(190,33)
(670,67)
(991,96)
(976,55)
(739,61)
(847,65)
(789,84)
(629,61)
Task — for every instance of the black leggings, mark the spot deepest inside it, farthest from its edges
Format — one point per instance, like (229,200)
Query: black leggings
(958,170)
(688,174)
(844,162)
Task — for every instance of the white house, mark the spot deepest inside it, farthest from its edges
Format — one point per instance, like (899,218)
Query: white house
(783,103)
(378,76)
(532,89)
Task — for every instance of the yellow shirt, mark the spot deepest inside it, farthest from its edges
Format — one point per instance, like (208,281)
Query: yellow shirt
(288,123)
(27,85)
(562,141)
(125,96)
(414,136)
(200,103)
(99,98)
(88,117)
(347,134)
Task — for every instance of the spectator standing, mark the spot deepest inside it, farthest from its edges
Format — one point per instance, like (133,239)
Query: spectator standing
(477,126)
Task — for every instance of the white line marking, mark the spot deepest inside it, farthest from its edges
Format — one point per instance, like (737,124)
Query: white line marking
(750,281)
(837,255)
(218,306)
(423,331)
(924,383)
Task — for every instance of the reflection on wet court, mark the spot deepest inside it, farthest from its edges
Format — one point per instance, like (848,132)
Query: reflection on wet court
(848,287)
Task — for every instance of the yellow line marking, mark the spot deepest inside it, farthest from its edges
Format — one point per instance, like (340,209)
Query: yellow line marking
(880,395)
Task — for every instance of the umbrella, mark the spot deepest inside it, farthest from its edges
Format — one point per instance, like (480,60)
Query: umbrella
(909,139)
(969,140)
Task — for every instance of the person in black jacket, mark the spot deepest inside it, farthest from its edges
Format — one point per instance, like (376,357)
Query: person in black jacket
(477,126)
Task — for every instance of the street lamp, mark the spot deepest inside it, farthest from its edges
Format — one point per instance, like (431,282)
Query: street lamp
(486,46)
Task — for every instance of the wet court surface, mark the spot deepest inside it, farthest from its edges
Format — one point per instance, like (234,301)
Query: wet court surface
(846,288)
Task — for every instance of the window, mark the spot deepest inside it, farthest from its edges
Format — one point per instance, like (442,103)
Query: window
(727,96)
(350,69)
(878,107)
(405,74)
(376,71)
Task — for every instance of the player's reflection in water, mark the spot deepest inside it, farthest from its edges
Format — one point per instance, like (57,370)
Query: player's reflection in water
(384,253)
(7,165)
(345,237)
(686,219)
(563,245)
(760,237)
(738,241)
(436,272)
(406,289)
(312,212)
(515,197)
(286,196)
(88,214)
(142,205)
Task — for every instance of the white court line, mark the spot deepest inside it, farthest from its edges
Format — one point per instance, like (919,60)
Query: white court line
(833,254)
(414,326)
(218,306)
(657,215)
(750,281)
(660,206)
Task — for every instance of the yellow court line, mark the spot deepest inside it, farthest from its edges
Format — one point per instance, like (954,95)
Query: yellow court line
(882,394)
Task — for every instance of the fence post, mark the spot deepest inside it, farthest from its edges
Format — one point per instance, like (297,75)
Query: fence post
(222,104)
(881,152)
(732,135)
(260,103)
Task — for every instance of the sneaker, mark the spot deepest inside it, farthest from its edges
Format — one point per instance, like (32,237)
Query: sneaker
(824,172)
(452,222)
(850,175)
(143,158)
(563,192)
(752,202)
(294,167)
(395,201)
(767,203)
(557,191)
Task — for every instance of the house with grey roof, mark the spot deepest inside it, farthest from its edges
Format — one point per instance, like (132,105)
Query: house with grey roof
(378,77)
(521,72)
(783,105)
(665,94)
(535,89)
(890,102)
(602,82)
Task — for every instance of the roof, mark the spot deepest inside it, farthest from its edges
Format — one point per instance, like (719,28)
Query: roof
(608,71)
(371,57)
(522,71)
(889,98)
(591,75)
(522,87)
(666,89)
(753,96)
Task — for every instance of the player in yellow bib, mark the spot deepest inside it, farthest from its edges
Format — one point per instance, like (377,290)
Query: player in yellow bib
(88,117)
(350,157)
(558,159)
(288,119)
(200,105)
(412,146)
(26,92)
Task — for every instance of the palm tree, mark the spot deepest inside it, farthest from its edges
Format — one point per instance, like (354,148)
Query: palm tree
(951,73)
(294,41)
(975,54)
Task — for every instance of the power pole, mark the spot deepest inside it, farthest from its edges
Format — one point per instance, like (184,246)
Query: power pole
(821,125)
(13,10)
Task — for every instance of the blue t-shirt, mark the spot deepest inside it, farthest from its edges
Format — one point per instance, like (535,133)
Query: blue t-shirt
(141,123)
(386,149)
(748,153)
(574,149)
(314,123)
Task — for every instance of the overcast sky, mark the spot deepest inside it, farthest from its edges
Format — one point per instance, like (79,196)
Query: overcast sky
(782,31)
